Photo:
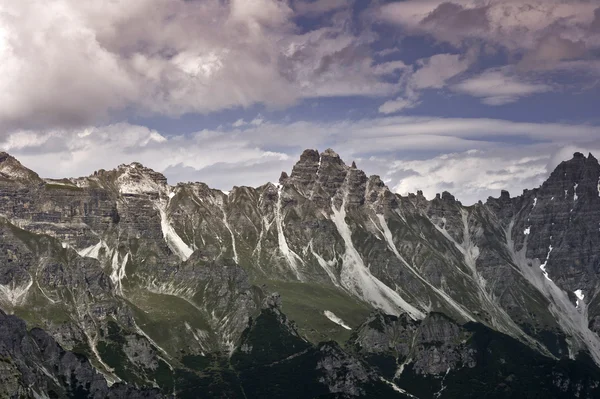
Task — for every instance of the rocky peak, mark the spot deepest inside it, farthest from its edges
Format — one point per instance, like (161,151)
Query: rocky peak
(12,169)
(580,170)
(133,178)
(304,173)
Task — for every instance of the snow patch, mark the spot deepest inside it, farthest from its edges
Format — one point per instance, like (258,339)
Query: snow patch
(534,202)
(397,388)
(92,251)
(331,316)
(357,278)
(579,294)
(13,293)
(319,169)
(171,194)
(575,197)
(290,255)
(326,265)
(175,243)
(226,223)
(543,265)
(118,271)
(527,230)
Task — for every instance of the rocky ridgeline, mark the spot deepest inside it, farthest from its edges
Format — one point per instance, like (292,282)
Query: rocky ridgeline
(154,283)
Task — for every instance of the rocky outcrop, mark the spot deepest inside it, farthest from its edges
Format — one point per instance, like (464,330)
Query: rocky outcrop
(32,364)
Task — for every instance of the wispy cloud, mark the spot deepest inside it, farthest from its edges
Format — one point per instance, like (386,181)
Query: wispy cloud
(412,153)
(495,87)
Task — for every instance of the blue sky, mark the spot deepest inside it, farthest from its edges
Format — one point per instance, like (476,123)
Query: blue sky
(428,94)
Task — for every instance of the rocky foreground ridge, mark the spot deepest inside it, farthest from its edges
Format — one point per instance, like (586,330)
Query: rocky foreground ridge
(135,287)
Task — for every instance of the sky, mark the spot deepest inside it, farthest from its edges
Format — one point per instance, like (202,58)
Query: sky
(467,96)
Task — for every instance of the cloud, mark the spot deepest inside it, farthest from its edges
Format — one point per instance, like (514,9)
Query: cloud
(495,87)
(536,34)
(512,24)
(411,153)
(435,71)
(70,63)
(432,73)
(472,175)
(397,105)
(319,7)
(550,51)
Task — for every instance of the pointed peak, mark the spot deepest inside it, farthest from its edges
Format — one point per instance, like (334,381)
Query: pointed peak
(330,157)
(309,154)
(283,177)
(353,165)
(12,169)
(330,153)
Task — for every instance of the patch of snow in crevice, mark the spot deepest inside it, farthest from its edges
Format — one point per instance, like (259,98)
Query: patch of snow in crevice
(108,372)
(357,278)
(331,316)
(118,271)
(265,226)
(291,256)
(92,251)
(171,288)
(442,387)
(326,265)
(534,202)
(575,197)
(319,167)
(397,388)
(15,294)
(171,194)
(228,227)
(579,294)
(543,265)
(598,187)
(174,242)
(527,230)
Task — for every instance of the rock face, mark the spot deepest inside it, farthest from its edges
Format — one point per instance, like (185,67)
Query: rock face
(33,364)
(161,285)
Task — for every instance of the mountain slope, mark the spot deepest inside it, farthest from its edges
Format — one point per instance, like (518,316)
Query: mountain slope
(142,277)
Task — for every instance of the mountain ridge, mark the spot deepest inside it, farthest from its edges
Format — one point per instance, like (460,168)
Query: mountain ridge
(105,263)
